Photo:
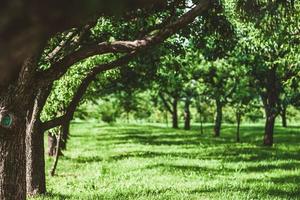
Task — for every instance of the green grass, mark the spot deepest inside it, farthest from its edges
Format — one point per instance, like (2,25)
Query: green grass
(152,162)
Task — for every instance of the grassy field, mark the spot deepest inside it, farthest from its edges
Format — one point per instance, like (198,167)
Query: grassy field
(152,162)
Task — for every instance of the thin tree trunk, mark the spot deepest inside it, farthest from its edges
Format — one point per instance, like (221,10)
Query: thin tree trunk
(187,115)
(201,127)
(175,114)
(57,154)
(218,120)
(269,128)
(65,135)
(283,117)
(52,142)
(167,120)
(238,120)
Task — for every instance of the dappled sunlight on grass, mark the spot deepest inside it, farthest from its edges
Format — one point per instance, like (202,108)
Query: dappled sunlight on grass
(152,162)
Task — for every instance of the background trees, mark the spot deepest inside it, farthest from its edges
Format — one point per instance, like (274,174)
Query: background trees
(226,55)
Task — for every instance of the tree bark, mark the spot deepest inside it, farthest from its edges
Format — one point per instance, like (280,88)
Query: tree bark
(35,152)
(187,115)
(269,128)
(65,135)
(270,99)
(15,111)
(35,161)
(218,120)
(175,114)
(57,154)
(52,142)
(12,166)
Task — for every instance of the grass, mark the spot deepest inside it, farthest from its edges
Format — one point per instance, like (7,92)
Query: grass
(152,162)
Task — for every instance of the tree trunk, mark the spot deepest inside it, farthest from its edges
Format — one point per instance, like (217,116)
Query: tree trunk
(270,100)
(238,121)
(175,114)
(57,154)
(35,152)
(269,127)
(52,142)
(65,135)
(283,117)
(201,127)
(12,161)
(218,120)
(187,115)
(35,161)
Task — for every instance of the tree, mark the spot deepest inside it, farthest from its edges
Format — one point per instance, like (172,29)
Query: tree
(268,49)
(20,97)
(218,80)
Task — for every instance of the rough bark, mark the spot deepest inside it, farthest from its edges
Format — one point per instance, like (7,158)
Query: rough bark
(12,165)
(269,128)
(270,100)
(15,112)
(218,120)
(187,115)
(35,161)
(174,113)
(35,152)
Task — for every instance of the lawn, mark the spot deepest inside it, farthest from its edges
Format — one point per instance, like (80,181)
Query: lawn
(153,162)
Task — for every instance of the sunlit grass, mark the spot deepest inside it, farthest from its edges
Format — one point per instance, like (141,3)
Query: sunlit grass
(152,162)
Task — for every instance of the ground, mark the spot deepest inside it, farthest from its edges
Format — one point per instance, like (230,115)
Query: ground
(154,162)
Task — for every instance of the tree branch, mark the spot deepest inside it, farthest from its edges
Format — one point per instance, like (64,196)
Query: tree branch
(60,68)
(137,46)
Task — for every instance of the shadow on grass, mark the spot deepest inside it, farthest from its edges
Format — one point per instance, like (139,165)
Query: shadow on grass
(82,160)
(56,196)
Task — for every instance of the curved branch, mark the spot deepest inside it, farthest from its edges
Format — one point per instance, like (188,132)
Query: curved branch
(137,46)
(60,68)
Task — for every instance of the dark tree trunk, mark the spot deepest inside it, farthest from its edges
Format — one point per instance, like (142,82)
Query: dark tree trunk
(270,100)
(12,163)
(35,152)
(52,142)
(15,116)
(65,135)
(35,160)
(201,127)
(218,120)
(269,128)
(175,114)
(283,117)
(238,121)
(187,115)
